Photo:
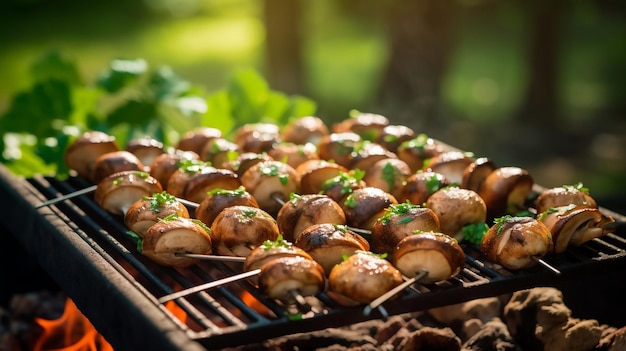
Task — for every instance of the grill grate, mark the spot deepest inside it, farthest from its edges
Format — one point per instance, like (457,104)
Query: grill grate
(237,312)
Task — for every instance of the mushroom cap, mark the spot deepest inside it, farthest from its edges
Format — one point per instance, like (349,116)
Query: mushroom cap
(368,126)
(180,235)
(164,165)
(436,253)
(281,276)
(342,185)
(456,207)
(338,147)
(219,199)
(195,140)
(505,191)
(419,186)
(117,192)
(114,162)
(207,179)
(363,277)
(327,243)
(302,130)
(219,152)
(303,211)
(367,153)
(393,135)
(364,206)
(415,152)
(293,154)
(451,164)
(268,251)
(245,160)
(257,137)
(313,174)
(146,149)
(563,196)
(476,172)
(268,180)
(150,209)
(400,221)
(389,174)
(573,225)
(82,153)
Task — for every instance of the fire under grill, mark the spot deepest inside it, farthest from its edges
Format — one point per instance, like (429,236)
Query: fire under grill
(87,252)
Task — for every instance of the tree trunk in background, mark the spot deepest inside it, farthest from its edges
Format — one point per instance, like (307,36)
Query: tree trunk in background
(421,38)
(541,104)
(283,39)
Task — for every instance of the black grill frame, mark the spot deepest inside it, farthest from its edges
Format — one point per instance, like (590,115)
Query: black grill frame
(85,251)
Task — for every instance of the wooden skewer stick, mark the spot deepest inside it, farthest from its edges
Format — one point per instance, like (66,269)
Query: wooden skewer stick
(546,265)
(208,285)
(391,293)
(68,196)
(211,257)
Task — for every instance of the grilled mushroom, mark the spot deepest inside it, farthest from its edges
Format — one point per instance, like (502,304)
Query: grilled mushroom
(164,165)
(456,207)
(476,172)
(150,209)
(285,277)
(219,152)
(327,243)
(302,130)
(303,211)
(338,147)
(269,180)
(194,179)
(436,253)
(119,191)
(342,185)
(417,151)
(271,250)
(146,149)
(514,242)
(400,221)
(163,240)
(257,137)
(363,277)
(367,153)
(505,191)
(219,199)
(574,225)
(238,230)
(114,162)
(451,164)
(419,186)
(394,135)
(314,174)
(245,160)
(364,206)
(563,196)
(293,154)
(368,126)
(388,174)
(82,153)
(195,140)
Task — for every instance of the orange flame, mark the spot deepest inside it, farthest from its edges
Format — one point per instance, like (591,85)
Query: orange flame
(176,310)
(70,332)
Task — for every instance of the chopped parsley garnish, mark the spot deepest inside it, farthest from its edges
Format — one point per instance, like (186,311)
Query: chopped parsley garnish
(159,200)
(416,143)
(273,170)
(562,209)
(136,239)
(433,183)
(237,192)
(294,198)
(351,201)
(499,222)
(474,232)
(347,180)
(577,187)
(192,166)
(202,224)
(398,210)
(279,242)
(389,175)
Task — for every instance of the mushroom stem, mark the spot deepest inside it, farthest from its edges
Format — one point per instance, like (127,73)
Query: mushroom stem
(68,196)
(391,293)
(546,265)
(212,257)
(303,306)
(208,285)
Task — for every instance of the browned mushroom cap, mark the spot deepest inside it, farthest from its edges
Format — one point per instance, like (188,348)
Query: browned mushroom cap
(342,185)
(328,243)
(367,125)
(280,277)
(314,174)
(563,196)
(505,191)
(436,253)
(238,230)
(338,147)
(268,251)
(257,137)
(476,172)
(175,235)
(114,162)
(177,181)
(367,153)
(150,209)
(363,277)
(246,160)
(394,135)
(302,130)
(146,149)
(364,206)
(456,207)
(82,153)
(167,163)
(117,192)
(293,154)
(400,221)
(419,186)
(451,164)
(303,211)
(513,242)
(574,225)
(219,152)
(195,140)
(207,179)
(388,174)
(269,180)
(219,199)
(415,152)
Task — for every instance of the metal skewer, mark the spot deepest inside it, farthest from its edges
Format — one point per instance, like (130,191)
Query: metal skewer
(211,257)
(546,265)
(391,293)
(208,285)
(76,193)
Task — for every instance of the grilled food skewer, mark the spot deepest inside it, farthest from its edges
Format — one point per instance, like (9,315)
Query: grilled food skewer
(391,293)
(212,257)
(67,196)
(209,285)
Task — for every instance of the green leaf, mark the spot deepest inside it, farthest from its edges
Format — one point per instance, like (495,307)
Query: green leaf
(167,84)
(248,93)
(57,66)
(218,114)
(122,73)
(134,112)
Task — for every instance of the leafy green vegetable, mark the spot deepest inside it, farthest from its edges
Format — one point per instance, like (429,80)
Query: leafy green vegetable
(474,232)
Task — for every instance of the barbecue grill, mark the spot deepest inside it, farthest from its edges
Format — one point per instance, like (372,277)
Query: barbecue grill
(87,252)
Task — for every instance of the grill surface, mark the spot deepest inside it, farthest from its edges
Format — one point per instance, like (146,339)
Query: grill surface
(86,251)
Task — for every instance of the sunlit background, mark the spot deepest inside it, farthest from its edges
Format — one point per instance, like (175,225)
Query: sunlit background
(537,84)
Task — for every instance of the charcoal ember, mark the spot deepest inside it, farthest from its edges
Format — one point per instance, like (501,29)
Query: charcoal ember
(483,309)
(493,335)
(334,338)
(428,338)
(396,331)
(539,320)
